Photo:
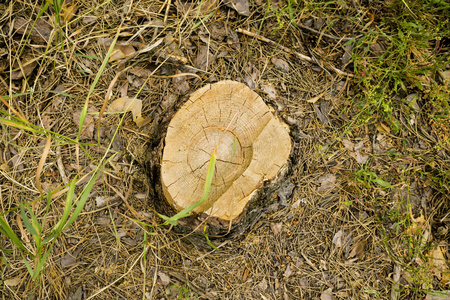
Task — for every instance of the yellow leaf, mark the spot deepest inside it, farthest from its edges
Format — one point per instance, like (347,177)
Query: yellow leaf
(417,225)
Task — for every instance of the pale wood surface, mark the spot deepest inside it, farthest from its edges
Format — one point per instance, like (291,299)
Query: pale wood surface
(212,117)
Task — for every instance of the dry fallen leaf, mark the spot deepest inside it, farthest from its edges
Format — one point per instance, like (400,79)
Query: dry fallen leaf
(233,40)
(262,285)
(349,145)
(88,127)
(204,58)
(165,279)
(12,281)
(417,225)
(124,104)
(438,264)
(101,201)
(288,272)
(276,228)
(357,252)
(68,12)
(326,181)
(70,258)
(316,98)
(41,30)
(180,84)
(241,6)
(77,295)
(270,91)
(338,238)
(327,294)
(27,65)
(280,64)
(382,128)
(121,51)
(89,19)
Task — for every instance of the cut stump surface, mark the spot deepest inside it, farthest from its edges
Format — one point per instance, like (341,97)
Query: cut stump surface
(252,146)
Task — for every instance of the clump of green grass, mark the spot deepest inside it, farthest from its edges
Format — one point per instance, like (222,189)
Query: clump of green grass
(398,55)
(36,253)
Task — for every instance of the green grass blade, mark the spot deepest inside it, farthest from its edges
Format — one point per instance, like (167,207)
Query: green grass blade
(202,20)
(209,175)
(382,182)
(29,268)
(209,242)
(82,200)
(94,84)
(35,222)
(209,178)
(18,125)
(8,232)
(26,222)
(67,207)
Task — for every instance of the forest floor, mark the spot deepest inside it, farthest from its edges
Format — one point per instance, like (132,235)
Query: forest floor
(363,85)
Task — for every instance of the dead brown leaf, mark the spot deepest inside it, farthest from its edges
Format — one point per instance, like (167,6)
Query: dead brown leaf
(338,238)
(262,285)
(70,258)
(270,91)
(327,294)
(233,40)
(180,84)
(40,33)
(68,12)
(326,181)
(125,104)
(121,52)
(165,279)
(349,145)
(204,58)
(241,6)
(438,265)
(89,19)
(315,99)
(87,131)
(276,228)
(140,72)
(280,64)
(357,252)
(25,68)
(13,281)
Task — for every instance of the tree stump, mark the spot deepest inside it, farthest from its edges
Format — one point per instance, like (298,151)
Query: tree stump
(251,144)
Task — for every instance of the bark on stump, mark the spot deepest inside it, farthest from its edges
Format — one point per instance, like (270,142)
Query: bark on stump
(252,146)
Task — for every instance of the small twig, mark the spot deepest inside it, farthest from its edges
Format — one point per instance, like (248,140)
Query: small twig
(41,164)
(154,276)
(309,262)
(166,15)
(60,165)
(395,285)
(299,55)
